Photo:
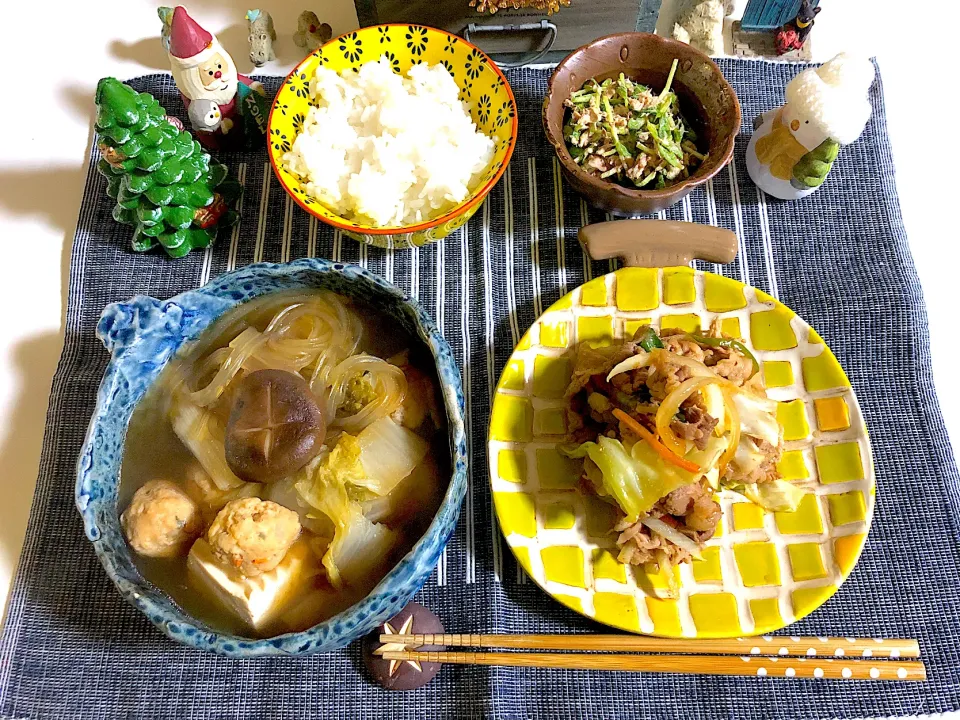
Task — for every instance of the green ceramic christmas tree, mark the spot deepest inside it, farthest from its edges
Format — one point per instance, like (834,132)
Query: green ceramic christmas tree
(163,182)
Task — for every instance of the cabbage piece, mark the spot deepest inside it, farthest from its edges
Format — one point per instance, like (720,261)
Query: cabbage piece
(778,495)
(758,417)
(324,484)
(420,489)
(747,458)
(284,492)
(358,548)
(204,437)
(636,480)
(388,452)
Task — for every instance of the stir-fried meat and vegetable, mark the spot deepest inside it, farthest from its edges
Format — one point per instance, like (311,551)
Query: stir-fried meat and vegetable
(662,423)
(620,130)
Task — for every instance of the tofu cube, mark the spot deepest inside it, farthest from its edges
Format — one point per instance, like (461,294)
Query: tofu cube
(258,601)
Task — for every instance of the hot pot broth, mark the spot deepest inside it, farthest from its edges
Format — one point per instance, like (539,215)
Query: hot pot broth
(259,557)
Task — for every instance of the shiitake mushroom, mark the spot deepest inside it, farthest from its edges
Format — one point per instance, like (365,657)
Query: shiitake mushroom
(275,426)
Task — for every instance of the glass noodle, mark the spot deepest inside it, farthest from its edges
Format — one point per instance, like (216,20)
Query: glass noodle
(314,333)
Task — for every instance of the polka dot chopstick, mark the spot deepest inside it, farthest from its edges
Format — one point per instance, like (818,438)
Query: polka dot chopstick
(767,656)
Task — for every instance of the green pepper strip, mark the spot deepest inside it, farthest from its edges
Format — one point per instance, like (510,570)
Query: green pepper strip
(728,343)
(621,148)
(649,339)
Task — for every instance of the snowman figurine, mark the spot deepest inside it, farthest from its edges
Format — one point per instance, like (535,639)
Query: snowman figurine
(793,147)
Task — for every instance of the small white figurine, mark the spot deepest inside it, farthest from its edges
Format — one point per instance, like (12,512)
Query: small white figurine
(311,33)
(793,147)
(260,37)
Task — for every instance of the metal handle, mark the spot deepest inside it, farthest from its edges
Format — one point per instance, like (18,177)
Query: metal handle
(545,25)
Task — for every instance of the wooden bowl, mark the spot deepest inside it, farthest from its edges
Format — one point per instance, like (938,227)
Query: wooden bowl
(707,102)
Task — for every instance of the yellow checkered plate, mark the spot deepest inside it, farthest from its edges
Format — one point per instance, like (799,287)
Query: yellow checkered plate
(762,570)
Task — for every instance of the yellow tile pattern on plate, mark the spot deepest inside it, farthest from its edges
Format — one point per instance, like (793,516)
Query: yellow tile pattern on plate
(806,561)
(847,507)
(630,327)
(805,519)
(549,421)
(555,334)
(678,286)
(731,327)
(832,413)
(551,376)
(806,600)
(747,516)
(595,330)
(516,513)
(757,563)
(823,372)
(770,569)
(571,601)
(511,419)
(839,463)
(600,515)
(688,322)
(556,471)
(594,293)
(563,564)
(655,581)
(792,466)
(665,616)
(707,569)
(722,294)
(637,289)
(512,377)
(846,550)
(512,466)
(526,341)
(766,615)
(770,330)
(617,609)
(606,565)
(558,515)
(792,417)
(777,373)
(715,614)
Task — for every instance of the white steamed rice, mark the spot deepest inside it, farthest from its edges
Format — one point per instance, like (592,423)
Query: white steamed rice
(388,150)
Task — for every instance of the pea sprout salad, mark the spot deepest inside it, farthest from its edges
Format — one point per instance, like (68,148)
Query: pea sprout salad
(622,131)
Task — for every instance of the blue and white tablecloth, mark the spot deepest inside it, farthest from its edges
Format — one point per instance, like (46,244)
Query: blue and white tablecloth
(72,648)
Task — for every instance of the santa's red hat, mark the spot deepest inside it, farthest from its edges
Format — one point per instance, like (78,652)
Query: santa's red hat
(190,44)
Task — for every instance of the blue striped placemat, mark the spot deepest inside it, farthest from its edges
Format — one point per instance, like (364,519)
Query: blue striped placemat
(72,648)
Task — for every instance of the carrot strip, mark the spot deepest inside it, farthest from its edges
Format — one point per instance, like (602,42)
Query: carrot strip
(661,449)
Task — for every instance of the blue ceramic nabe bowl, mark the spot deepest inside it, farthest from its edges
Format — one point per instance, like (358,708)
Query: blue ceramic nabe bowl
(142,335)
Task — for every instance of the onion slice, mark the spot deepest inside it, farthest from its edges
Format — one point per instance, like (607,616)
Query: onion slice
(631,363)
(671,405)
(673,535)
(733,422)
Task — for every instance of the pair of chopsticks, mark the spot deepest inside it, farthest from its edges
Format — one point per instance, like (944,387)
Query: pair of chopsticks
(767,656)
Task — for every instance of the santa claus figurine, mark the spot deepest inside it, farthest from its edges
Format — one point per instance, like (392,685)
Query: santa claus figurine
(205,73)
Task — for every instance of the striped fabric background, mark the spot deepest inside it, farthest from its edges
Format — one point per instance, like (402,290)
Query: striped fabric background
(72,648)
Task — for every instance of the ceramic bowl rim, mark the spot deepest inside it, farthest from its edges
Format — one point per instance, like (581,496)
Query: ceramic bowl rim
(670,192)
(475,198)
(171,620)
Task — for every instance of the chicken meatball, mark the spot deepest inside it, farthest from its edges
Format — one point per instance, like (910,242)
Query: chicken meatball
(253,535)
(161,520)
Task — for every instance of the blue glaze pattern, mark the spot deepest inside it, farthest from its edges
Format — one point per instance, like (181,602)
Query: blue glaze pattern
(142,335)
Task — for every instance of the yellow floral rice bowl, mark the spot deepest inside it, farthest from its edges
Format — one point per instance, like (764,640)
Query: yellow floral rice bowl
(482,86)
